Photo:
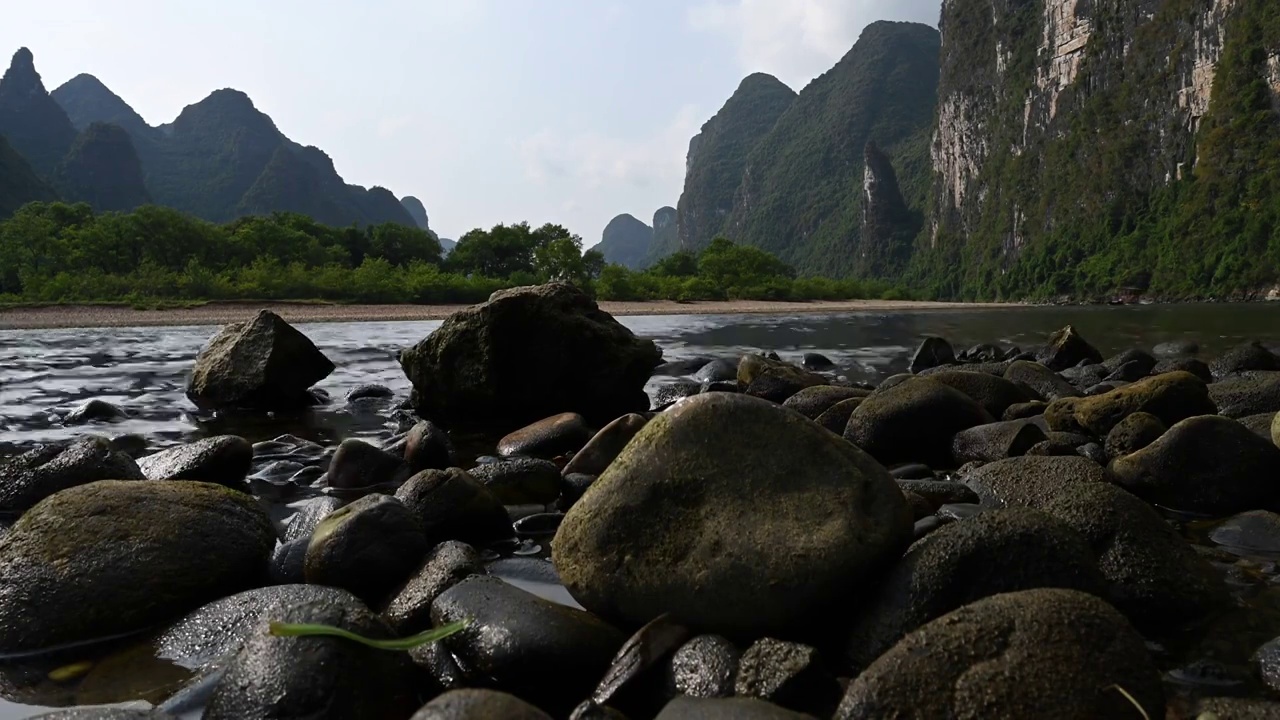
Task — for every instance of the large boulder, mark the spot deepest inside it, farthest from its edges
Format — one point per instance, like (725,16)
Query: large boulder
(753,539)
(452,505)
(932,352)
(995,441)
(992,392)
(28,478)
(1250,394)
(264,363)
(1170,397)
(369,547)
(817,399)
(774,380)
(1030,480)
(527,354)
(1208,464)
(1048,383)
(914,421)
(1038,653)
(1067,348)
(112,557)
(1243,358)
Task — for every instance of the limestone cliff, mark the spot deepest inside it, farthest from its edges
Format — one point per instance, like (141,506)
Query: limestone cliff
(625,241)
(888,226)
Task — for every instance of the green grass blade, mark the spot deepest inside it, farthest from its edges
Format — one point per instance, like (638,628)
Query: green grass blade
(312,629)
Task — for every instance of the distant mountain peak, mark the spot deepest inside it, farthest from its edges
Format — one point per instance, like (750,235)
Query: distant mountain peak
(626,241)
(87,100)
(23,59)
(21,78)
(417,211)
(33,123)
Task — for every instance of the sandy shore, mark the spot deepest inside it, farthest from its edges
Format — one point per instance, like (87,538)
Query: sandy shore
(73,316)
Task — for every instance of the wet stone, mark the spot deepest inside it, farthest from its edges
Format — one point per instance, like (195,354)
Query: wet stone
(94,411)
(520,480)
(1255,530)
(478,704)
(369,392)
(683,707)
(718,370)
(39,473)
(357,464)
(604,446)
(427,447)
(836,417)
(912,471)
(705,666)
(1191,365)
(787,674)
(932,352)
(368,547)
(538,524)
(446,565)
(673,392)
(940,492)
(551,437)
(223,460)
(816,361)
(812,402)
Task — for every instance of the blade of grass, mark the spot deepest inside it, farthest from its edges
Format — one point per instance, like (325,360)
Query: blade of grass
(1132,700)
(312,629)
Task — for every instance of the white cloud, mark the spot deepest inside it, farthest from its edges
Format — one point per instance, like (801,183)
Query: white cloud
(797,40)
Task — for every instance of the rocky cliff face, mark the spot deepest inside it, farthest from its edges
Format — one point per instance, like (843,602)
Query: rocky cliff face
(666,234)
(888,226)
(417,211)
(102,169)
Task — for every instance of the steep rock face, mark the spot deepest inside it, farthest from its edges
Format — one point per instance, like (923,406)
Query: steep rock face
(888,226)
(31,121)
(801,191)
(718,156)
(19,184)
(626,241)
(417,211)
(666,234)
(102,169)
(1088,146)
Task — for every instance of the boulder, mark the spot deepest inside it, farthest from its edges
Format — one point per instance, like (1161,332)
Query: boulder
(222,460)
(1031,480)
(914,422)
(705,666)
(316,677)
(668,394)
(992,392)
(478,704)
(357,464)
(1133,433)
(932,352)
(1024,411)
(446,565)
(520,481)
(1208,464)
(262,364)
(1131,362)
(370,391)
(604,446)
(816,361)
(953,566)
(1191,365)
(812,401)
(1243,358)
(28,478)
(774,380)
(452,505)
(836,417)
(113,557)
(719,370)
(683,707)
(1067,348)
(753,540)
(1048,383)
(1170,397)
(1032,654)
(369,548)
(549,654)
(1252,531)
(1250,394)
(1176,348)
(526,354)
(94,410)
(427,447)
(995,441)
(562,434)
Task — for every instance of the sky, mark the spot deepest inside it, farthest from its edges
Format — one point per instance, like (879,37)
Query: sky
(489,111)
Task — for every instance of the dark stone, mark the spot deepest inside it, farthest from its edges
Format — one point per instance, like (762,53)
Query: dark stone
(787,674)
(572,487)
(920,506)
(1207,464)
(94,411)
(539,524)
(562,434)
(1024,411)
(264,363)
(1031,654)
(992,392)
(1017,481)
(825,517)
(1066,348)
(1130,362)
(1170,397)
(526,354)
(289,562)
(1247,395)
(369,392)
(1191,365)
(1259,424)
(705,667)
(427,447)
(981,353)
(1176,348)
(914,422)
(223,460)
(924,526)
(35,475)
(939,492)
(683,707)
(1256,530)
(548,654)
(953,512)
(1133,433)
(357,464)
(604,446)
(816,361)
(811,402)
(520,480)
(1094,452)
(309,514)
(446,565)
(942,572)
(369,547)
(912,471)
(128,555)
(932,352)
(774,380)
(1234,708)
(1085,376)
(670,393)
(103,713)
(676,368)
(718,370)
(452,505)
(1242,358)
(836,417)
(1049,384)
(995,441)
(721,386)
(478,704)
(1129,372)
(131,444)
(316,677)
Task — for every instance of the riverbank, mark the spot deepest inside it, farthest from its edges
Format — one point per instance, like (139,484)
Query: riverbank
(220,313)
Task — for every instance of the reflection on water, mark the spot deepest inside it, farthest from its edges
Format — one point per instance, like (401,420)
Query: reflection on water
(46,373)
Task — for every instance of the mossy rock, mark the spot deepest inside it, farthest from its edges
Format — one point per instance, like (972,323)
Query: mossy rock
(264,363)
(914,421)
(995,394)
(1170,397)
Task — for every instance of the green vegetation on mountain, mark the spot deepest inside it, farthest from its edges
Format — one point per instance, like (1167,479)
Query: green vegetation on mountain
(718,158)
(86,101)
(417,211)
(19,184)
(30,120)
(102,169)
(626,241)
(666,237)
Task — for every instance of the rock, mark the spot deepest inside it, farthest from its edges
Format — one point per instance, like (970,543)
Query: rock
(1129,372)
(520,481)
(816,361)
(357,464)
(677,368)
(705,666)
(823,515)
(811,402)
(1233,708)
(369,392)
(369,548)
(1256,531)
(562,434)
(1094,452)
(981,353)
(316,677)
(939,492)
(722,386)
(222,460)
(1049,384)
(1191,365)
(1176,348)
(1259,424)
(1249,394)
(1025,411)
(102,713)
(1133,433)
(1066,348)
(671,393)
(992,392)
(34,475)
(1084,376)
(446,565)
(1030,481)
(1267,660)
(920,506)
(478,704)
(1030,654)
(1103,388)
(573,486)
(309,514)
(145,573)
(1242,358)
(263,364)
(683,707)
(452,505)
(1137,361)
(932,352)
(543,652)
(914,422)
(94,411)
(427,447)
(131,444)
(995,441)
(526,354)
(774,380)
(717,371)
(1208,464)
(912,471)
(1170,397)
(605,445)
(940,573)
(836,417)
(787,674)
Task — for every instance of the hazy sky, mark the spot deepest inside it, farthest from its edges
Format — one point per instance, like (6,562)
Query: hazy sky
(566,111)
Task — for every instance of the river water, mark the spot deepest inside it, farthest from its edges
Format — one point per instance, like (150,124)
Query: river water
(46,373)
